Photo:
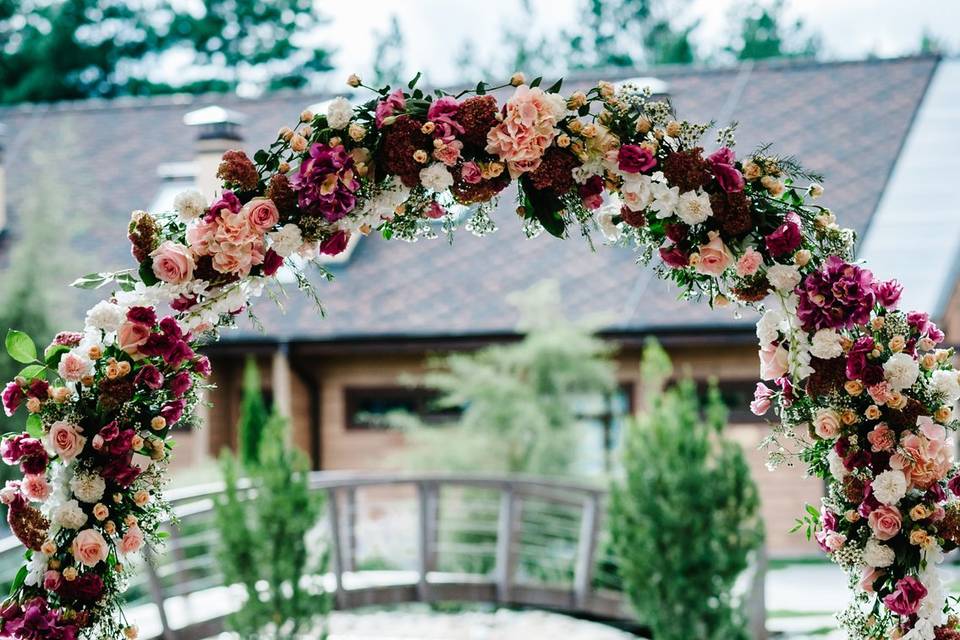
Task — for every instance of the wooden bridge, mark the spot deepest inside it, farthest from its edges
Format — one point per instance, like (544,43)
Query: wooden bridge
(509,540)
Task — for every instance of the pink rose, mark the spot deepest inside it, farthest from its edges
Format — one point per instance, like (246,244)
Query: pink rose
(471,173)
(89,547)
(51,580)
(749,263)
(434,211)
(132,540)
(834,541)
(885,522)
(714,256)
(172,262)
(65,440)
(882,438)
(773,362)
(132,335)
(931,429)
(261,213)
(36,487)
(761,399)
(73,366)
(826,424)
(905,599)
(870,575)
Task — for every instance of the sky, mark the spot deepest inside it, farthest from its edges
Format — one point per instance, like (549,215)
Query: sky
(434,30)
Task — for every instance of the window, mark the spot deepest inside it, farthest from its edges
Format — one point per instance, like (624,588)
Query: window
(737,395)
(366,406)
(600,418)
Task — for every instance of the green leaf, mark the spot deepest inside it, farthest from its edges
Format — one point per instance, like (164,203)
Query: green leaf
(413,82)
(536,82)
(555,87)
(32,371)
(481,89)
(20,346)
(92,281)
(35,426)
(53,353)
(260,156)
(146,273)
(19,580)
(545,206)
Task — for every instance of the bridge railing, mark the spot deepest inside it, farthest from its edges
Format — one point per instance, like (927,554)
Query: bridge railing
(392,538)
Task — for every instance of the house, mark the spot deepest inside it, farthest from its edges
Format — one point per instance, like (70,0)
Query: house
(882,132)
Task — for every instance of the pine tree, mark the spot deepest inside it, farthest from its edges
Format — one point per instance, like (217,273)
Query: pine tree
(253,415)
(762,32)
(388,64)
(684,518)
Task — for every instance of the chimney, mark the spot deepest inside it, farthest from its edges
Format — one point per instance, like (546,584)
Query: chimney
(3,182)
(218,130)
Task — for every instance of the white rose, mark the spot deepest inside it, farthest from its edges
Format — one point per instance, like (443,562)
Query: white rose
(665,199)
(106,316)
(901,371)
(635,192)
(946,383)
(436,177)
(69,515)
(837,469)
(557,105)
(826,344)
(339,113)
(890,486)
(286,240)
(88,487)
(693,207)
(607,226)
(190,204)
(783,277)
(877,554)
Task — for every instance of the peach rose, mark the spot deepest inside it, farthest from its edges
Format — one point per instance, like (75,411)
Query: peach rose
(749,263)
(36,487)
(89,547)
(65,440)
(773,362)
(172,262)
(100,511)
(826,424)
(885,522)
(73,366)
(132,335)
(261,213)
(132,540)
(714,256)
(882,438)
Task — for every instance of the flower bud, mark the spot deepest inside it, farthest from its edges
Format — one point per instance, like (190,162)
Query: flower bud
(517,79)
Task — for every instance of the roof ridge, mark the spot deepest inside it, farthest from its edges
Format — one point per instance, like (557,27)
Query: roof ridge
(179,100)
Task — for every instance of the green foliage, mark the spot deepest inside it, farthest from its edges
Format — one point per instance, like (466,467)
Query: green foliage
(516,399)
(74,49)
(388,56)
(266,541)
(685,516)
(253,415)
(762,32)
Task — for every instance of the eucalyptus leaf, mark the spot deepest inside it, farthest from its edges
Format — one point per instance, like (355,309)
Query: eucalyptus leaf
(35,426)
(20,347)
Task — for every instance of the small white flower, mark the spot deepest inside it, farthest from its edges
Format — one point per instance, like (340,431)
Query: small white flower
(945,382)
(286,240)
(69,515)
(665,199)
(436,177)
(890,486)
(36,568)
(877,554)
(768,326)
(901,371)
(837,469)
(88,487)
(636,191)
(190,204)
(922,630)
(783,277)
(693,207)
(826,344)
(106,316)
(608,227)
(339,113)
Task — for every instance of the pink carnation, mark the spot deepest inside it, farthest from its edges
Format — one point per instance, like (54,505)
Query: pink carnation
(749,263)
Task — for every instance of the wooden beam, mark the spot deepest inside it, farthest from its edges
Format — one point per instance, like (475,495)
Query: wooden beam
(336,548)
(586,551)
(508,526)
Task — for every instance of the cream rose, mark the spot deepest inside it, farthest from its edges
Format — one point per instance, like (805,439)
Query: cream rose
(65,440)
(89,547)
(826,424)
(172,262)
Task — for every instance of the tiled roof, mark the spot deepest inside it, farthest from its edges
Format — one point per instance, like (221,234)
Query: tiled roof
(846,120)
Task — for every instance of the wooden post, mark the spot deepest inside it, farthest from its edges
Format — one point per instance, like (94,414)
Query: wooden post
(586,550)
(350,558)
(427,493)
(336,548)
(507,530)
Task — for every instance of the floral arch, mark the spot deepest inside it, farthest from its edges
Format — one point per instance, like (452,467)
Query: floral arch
(864,396)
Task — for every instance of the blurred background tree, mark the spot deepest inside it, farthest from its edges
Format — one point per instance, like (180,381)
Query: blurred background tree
(519,414)
(683,484)
(762,31)
(388,65)
(254,415)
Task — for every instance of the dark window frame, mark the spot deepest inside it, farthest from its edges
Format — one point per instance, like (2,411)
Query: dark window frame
(419,399)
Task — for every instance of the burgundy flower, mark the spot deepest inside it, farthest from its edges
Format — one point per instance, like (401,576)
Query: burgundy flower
(591,192)
(936,493)
(178,353)
(888,293)
(157,345)
(674,256)
(171,327)
(180,384)
(120,471)
(85,589)
(857,357)
(39,389)
(202,366)
(228,200)
(954,485)
(443,113)
(183,302)
(326,184)
(121,444)
(143,315)
(272,261)
(905,599)
(67,339)
(335,244)
(149,376)
(786,238)
(840,295)
(34,620)
(172,412)
(109,431)
(676,231)
(26,450)
(12,397)
(632,158)
(721,164)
